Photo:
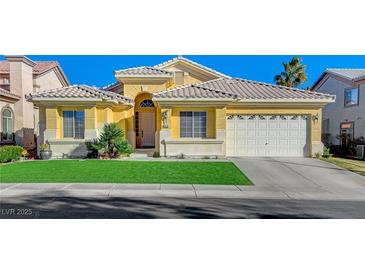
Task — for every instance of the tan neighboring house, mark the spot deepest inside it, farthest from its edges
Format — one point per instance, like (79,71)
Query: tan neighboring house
(344,120)
(181,107)
(18,76)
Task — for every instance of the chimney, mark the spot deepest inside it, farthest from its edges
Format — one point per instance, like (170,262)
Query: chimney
(21,83)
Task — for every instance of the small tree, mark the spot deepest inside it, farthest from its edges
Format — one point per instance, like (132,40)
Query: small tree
(112,141)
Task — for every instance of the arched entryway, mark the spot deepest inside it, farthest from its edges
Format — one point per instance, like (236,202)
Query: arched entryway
(145,121)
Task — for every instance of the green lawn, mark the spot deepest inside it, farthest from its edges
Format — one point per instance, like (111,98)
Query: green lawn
(108,171)
(356,166)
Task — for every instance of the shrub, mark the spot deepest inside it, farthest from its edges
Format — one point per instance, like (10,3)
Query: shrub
(92,151)
(156,154)
(10,153)
(44,147)
(111,142)
(326,153)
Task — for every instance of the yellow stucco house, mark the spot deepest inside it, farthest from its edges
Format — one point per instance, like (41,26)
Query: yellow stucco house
(181,107)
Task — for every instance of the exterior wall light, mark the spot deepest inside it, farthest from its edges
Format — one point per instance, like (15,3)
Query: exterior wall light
(315,117)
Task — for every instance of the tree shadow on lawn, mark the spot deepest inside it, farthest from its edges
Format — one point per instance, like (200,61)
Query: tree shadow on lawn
(48,207)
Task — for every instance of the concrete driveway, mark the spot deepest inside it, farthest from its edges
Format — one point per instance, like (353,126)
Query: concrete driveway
(301,178)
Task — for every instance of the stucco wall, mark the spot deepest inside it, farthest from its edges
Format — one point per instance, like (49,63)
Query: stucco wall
(212,146)
(47,81)
(51,127)
(132,89)
(336,113)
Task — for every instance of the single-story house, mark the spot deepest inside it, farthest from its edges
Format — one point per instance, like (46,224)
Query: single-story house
(182,107)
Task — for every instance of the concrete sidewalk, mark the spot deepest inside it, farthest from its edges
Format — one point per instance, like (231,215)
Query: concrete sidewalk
(166,190)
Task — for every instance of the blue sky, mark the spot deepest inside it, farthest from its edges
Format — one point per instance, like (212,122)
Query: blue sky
(98,69)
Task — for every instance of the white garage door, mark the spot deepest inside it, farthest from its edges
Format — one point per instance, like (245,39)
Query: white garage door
(267,135)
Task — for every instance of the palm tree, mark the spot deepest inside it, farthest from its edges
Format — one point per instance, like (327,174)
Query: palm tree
(293,75)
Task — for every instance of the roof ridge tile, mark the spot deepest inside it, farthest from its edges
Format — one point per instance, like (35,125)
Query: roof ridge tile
(80,91)
(177,58)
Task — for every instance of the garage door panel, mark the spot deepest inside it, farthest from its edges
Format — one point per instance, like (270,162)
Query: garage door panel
(294,143)
(282,133)
(293,133)
(251,133)
(283,142)
(251,124)
(267,135)
(272,142)
(241,142)
(261,133)
(251,142)
(283,124)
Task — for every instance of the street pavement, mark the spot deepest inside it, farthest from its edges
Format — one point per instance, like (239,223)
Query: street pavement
(150,208)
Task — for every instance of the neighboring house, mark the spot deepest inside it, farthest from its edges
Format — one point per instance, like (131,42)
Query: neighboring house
(18,76)
(181,107)
(344,120)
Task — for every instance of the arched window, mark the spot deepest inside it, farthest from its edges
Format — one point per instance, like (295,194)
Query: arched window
(7,119)
(147,103)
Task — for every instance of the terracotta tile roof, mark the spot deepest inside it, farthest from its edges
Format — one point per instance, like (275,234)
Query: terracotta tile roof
(39,68)
(248,89)
(110,86)
(178,58)
(6,93)
(79,92)
(193,92)
(241,90)
(144,71)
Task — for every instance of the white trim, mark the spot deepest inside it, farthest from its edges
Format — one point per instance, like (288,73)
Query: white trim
(292,100)
(127,75)
(78,99)
(123,76)
(194,64)
(192,100)
(193,141)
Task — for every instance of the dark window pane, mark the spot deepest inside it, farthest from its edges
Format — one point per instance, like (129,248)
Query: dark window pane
(186,124)
(147,103)
(351,97)
(68,124)
(79,125)
(200,121)
(74,124)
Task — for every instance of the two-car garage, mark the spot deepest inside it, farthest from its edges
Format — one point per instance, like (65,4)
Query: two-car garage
(253,118)
(267,135)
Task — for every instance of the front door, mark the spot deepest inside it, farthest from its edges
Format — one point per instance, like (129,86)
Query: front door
(148,129)
(347,133)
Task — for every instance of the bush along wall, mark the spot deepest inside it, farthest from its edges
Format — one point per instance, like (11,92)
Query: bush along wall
(10,153)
